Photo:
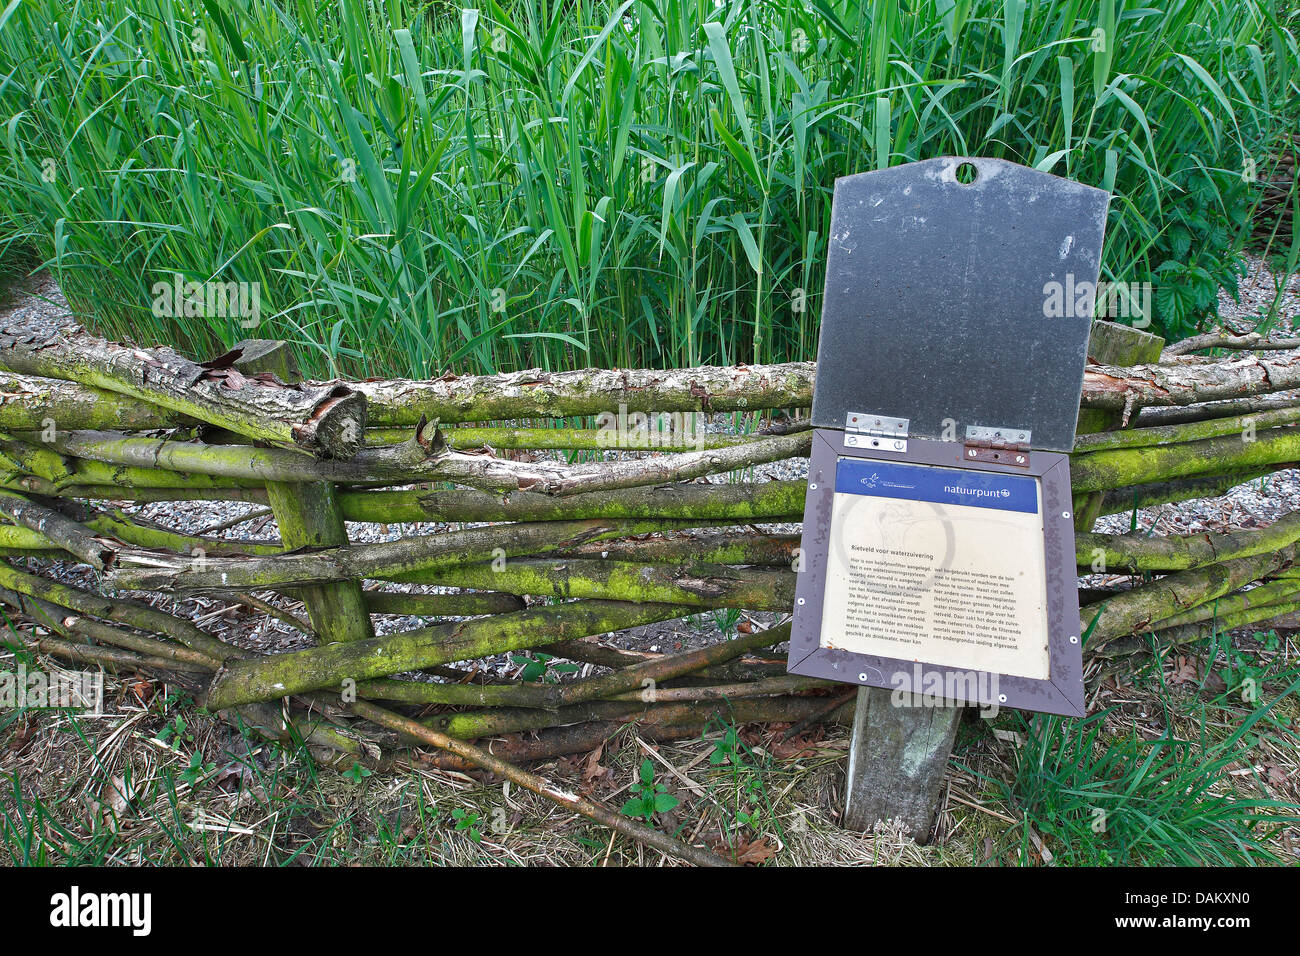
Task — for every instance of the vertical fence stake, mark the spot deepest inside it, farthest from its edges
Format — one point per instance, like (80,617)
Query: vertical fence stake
(897,757)
(308,515)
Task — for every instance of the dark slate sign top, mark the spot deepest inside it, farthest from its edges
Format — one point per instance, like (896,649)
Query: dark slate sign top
(964,302)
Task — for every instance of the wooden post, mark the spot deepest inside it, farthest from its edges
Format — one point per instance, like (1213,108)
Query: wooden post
(308,515)
(897,758)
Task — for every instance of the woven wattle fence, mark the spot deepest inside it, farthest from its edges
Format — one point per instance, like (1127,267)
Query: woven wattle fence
(550,556)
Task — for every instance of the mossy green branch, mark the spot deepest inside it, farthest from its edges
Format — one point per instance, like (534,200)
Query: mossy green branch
(1115,553)
(269,678)
(164,571)
(426,457)
(29,403)
(642,677)
(1240,425)
(741,502)
(1103,470)
(705,586)
(1143,608)
(117,609)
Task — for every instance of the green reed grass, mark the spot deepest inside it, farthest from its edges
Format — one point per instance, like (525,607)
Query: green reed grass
(419,187)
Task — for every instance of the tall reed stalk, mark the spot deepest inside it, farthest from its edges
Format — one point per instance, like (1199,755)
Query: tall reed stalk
(417,188)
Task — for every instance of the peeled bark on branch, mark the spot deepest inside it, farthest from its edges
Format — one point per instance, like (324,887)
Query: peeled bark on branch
(502,475)
(1181,414)
(326,419)
(1250,341)
(425,458)
(1139,386)
(161,571)
(269,678)
(535,393)
(71,536)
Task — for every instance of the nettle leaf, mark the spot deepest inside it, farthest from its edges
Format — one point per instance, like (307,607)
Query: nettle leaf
(647,771)
(664,802)
(1180,242)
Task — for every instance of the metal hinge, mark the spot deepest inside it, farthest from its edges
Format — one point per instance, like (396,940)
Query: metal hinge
(862,430)
(1002,446)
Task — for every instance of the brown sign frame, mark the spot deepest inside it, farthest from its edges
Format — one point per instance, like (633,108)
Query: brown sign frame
(1061,692)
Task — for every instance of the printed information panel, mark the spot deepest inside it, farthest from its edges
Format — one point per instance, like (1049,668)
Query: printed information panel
(937,565)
